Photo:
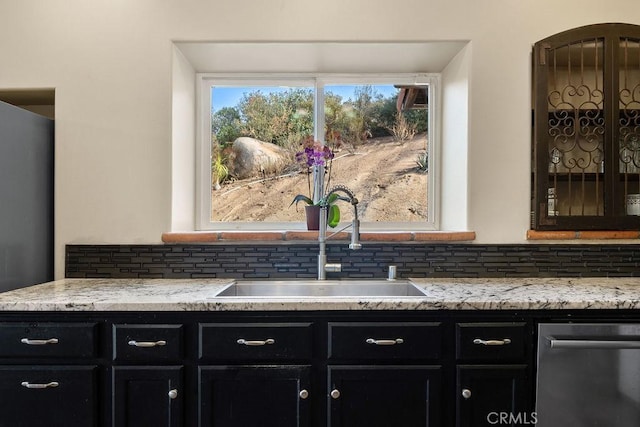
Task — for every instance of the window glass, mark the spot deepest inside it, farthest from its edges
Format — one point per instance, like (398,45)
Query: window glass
(257,131)
(255,134)
(381,152)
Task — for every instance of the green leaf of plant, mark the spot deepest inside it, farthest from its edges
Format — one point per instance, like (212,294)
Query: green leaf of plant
(301,198)
(334,216)
(332,198)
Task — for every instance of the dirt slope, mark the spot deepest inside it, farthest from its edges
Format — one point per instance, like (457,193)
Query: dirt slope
(381,172)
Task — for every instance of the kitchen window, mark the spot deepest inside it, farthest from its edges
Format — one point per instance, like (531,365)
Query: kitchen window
(382,128)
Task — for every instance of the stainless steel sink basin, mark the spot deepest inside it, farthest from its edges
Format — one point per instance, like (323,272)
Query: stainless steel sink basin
(321,289)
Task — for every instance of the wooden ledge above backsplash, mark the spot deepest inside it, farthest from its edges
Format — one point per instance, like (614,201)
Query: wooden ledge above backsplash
(583,235)
(306,236)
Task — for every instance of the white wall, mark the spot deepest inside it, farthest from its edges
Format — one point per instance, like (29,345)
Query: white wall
(454,188)
(110,62)
(183,137)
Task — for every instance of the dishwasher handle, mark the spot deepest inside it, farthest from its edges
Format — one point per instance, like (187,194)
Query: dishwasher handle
(594,344)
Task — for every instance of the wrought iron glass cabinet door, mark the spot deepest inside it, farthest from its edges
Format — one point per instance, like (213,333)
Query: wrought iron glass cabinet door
(586,129)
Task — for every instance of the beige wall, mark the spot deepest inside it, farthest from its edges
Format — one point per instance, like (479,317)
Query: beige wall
(111,63)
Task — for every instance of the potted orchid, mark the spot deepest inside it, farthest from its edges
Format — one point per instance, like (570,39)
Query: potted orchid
(315,154)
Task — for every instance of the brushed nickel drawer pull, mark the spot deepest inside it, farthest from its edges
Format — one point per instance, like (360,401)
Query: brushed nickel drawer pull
(504,341)
(51,384)
(29,341)
(147,344)
(173,394)
(384,342)
(242,341)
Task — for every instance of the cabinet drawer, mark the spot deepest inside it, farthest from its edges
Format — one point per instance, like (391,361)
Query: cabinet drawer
(43,340)
(491,341)
(382,341)
(255,341)
(147,343)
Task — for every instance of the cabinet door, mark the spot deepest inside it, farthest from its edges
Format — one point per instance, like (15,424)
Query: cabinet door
(494,394)
(250,396)
(586,152)
(147,396)
(384,396)
(48,396)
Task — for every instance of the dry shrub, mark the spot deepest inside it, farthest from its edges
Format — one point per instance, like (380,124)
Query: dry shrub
(402,130)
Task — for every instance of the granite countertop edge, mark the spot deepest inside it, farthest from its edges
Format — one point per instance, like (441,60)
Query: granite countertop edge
(442,294)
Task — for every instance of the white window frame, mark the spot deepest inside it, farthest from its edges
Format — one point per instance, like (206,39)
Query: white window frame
(318,80)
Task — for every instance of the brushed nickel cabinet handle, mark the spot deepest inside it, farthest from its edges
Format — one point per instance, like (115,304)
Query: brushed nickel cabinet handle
(29,341)
(147,344)
(504,341)
(268,341)
(384,342)
(52,384)
(173,394)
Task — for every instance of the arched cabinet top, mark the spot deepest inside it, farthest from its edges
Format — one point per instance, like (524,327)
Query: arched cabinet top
(612,29)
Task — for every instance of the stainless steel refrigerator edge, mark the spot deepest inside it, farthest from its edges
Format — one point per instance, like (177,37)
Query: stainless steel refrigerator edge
(26,197)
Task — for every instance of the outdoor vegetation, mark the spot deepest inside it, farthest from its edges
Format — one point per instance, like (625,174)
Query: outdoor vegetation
(285,119)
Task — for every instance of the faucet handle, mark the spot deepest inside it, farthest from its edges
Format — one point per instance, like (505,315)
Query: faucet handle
(392,272)
(333,268)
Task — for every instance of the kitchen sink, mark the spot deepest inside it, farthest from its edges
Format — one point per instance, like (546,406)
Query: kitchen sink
(321,289)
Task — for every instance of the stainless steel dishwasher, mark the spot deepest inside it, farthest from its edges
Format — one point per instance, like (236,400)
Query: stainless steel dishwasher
(588,375)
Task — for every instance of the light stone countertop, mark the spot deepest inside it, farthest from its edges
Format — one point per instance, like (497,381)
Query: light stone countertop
(442,294)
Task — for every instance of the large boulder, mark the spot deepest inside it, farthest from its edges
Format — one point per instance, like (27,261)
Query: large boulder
(252,157)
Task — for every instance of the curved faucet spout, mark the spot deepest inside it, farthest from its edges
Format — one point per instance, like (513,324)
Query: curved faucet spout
(351,197)
(323,267)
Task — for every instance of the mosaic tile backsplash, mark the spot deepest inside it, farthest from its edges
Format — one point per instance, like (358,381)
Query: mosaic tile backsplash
(300,260)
